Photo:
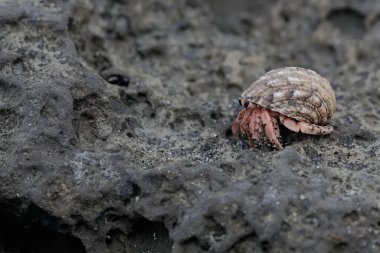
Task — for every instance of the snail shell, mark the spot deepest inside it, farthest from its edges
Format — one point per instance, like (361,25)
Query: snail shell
(298,93)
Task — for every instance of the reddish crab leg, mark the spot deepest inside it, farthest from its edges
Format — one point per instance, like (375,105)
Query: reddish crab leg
(254,125)
(236,125)
(269,129)
(244,126)
(276,127)
(305,127)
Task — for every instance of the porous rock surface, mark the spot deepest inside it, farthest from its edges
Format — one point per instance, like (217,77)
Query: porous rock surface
(115,127)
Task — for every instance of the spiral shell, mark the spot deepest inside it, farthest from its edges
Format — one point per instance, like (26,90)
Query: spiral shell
(298,93)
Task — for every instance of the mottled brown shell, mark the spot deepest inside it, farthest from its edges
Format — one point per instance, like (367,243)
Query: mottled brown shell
(295,92)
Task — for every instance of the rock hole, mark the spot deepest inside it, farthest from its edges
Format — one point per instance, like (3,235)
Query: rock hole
(118,79)
(149,236)
(216,114)
(108,215)
(135,190)
(285,16)
(351,216)
(340,247)
(218,231)
(228,168)
(49,111)
(34,230)
(349,21)
(229,132)
(195,241)
(114,236)
(265,246)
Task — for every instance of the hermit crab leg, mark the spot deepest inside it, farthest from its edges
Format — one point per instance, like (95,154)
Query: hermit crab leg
(270,129)
(274,116)
(244,124)
(304,127)
(254,125)
(236,125)
(276,127)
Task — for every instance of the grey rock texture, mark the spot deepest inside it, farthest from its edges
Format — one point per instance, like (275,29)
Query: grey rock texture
(115,127)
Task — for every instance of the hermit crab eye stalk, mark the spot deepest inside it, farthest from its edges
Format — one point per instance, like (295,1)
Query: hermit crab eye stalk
(243,102)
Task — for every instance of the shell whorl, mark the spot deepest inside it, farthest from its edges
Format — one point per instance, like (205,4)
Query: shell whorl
(295,92)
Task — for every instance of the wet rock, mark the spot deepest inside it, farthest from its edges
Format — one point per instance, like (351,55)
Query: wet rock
(115,116)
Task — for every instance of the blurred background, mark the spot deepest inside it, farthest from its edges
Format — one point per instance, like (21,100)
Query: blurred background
(115,120)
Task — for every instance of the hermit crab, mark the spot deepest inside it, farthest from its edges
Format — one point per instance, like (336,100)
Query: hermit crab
(298,98)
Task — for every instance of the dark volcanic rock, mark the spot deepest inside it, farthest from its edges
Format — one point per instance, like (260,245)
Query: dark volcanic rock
(115,127)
